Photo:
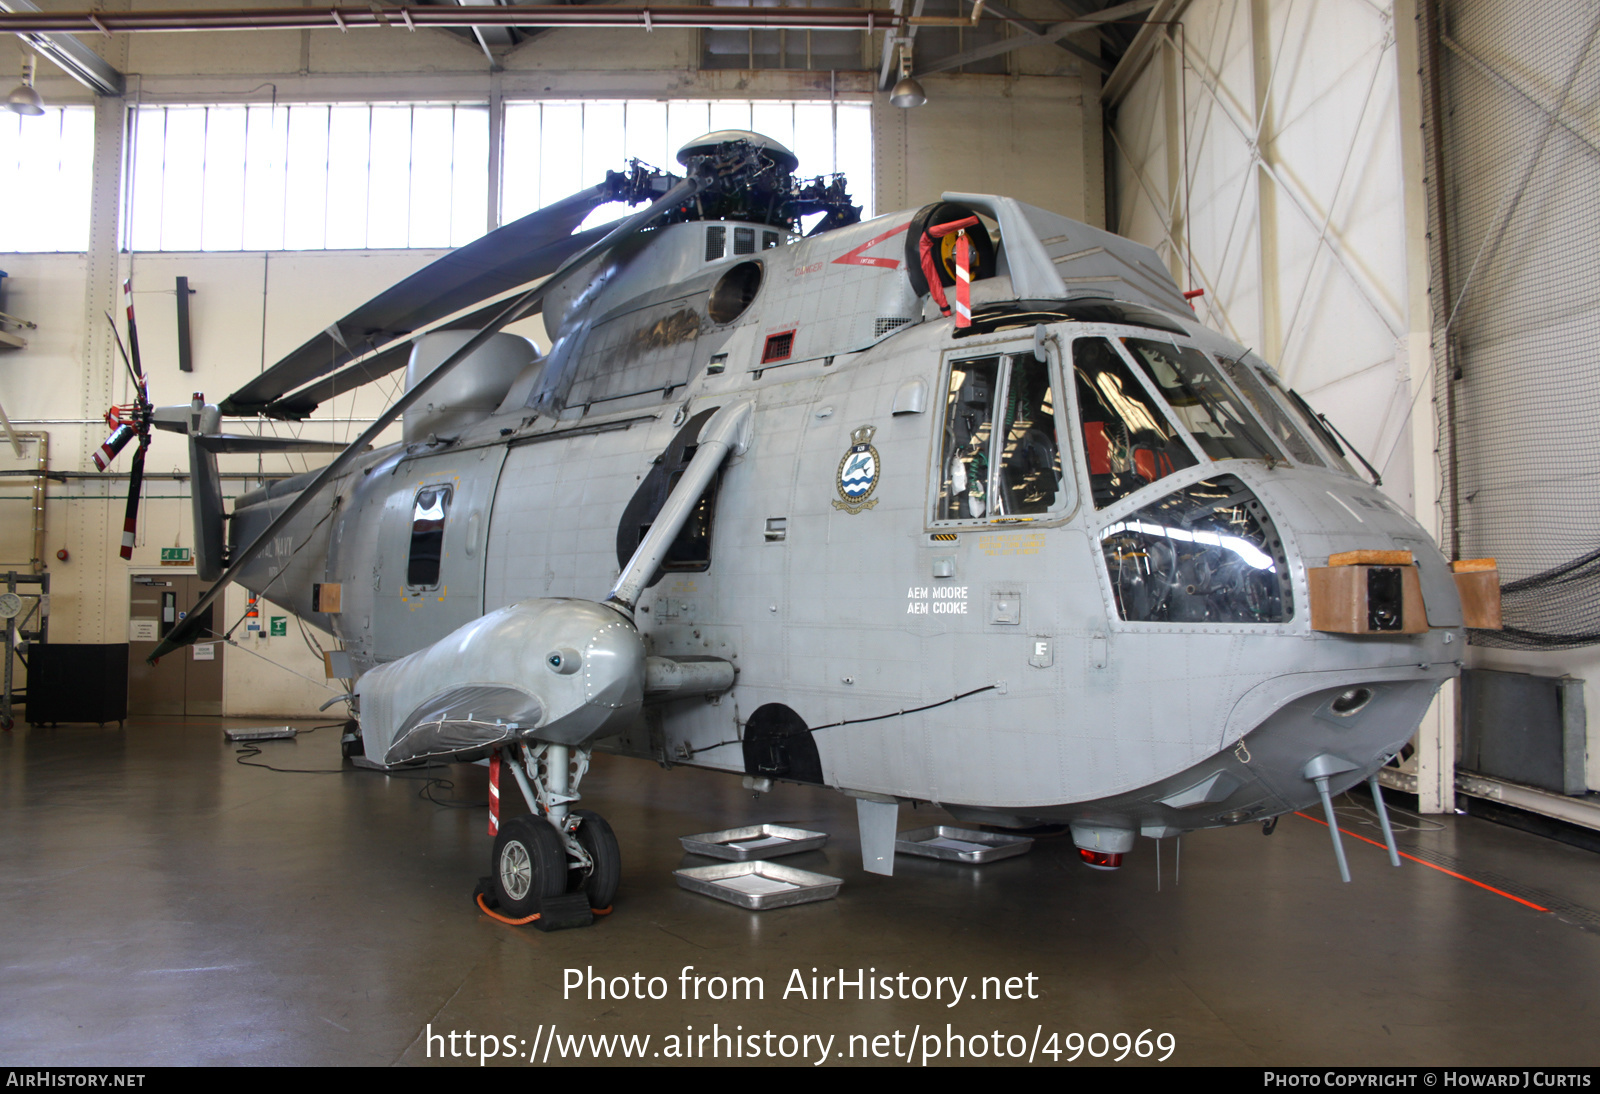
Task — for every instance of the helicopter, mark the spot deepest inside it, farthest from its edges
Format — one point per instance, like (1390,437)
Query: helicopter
(959,504)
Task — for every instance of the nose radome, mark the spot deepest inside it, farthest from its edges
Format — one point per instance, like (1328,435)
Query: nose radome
(565,671)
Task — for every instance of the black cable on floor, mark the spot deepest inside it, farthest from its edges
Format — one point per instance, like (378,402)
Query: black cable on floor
(249,749)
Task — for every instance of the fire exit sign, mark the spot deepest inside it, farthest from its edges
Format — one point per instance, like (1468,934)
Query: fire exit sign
(175,556)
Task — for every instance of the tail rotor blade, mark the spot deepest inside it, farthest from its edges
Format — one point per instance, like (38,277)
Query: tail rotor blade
(133,333)
(130,516)
(123,349)
(114,444)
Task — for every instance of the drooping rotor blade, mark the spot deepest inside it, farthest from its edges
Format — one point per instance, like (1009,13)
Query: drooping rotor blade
(188,628)
(130,515)
(520,252)
(233,442)
(301,404)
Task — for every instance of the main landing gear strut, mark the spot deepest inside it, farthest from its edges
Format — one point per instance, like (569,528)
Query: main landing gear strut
(558,865)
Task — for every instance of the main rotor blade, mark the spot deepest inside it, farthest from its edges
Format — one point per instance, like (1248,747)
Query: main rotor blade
(520,252)
(187,629)
(300,404)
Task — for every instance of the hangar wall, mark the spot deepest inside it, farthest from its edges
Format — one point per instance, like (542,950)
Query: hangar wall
(1032,134)
(1273,152)
(1510,215)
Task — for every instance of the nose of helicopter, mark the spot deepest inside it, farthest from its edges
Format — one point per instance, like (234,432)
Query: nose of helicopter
(560,671)
(1345,691)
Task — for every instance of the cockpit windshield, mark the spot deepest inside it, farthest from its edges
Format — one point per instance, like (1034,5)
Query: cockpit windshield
(1277,419)
(1127,439)
(1308,421)
(1202,400)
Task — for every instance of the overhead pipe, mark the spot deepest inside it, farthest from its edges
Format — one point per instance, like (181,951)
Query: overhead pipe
(406,17)
(40,474)
(67,53)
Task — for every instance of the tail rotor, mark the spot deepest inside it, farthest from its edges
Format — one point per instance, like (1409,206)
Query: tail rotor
(129,422)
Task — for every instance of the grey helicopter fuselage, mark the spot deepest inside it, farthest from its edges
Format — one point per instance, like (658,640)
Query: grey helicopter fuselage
(942,562)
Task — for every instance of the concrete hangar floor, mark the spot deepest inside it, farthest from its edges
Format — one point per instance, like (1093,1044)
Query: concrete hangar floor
(162,904)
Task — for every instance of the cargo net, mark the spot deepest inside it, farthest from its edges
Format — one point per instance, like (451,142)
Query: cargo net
(1567,596)
(1514,236)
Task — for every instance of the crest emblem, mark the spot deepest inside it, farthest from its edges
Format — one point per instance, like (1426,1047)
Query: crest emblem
(858,473)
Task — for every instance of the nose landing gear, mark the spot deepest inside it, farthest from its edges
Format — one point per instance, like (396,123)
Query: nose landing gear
(552,867)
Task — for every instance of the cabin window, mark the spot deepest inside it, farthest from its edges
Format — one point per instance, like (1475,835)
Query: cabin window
(690,551)
(1128,442)
(1000,455)
(427,536)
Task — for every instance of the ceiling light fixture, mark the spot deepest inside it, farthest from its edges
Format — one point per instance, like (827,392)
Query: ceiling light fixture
(907,92)
(24,99)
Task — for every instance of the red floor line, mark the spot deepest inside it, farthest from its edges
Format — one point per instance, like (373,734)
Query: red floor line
(1431,866)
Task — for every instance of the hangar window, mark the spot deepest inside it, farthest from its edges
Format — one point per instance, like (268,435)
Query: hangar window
(427,536)
(266,177)
(321,176)
(555,148)
(46,168)
(1000,456)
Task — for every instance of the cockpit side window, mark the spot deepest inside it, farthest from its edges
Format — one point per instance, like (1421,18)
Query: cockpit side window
(968,418)
(1202,401)
(1001,455)
(1029,468)
(1127,440)
(428,513)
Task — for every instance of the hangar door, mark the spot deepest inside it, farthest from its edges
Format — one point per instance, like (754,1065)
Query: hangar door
(1510,99)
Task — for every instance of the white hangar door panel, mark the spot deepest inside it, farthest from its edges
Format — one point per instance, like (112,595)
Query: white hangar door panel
(429,576)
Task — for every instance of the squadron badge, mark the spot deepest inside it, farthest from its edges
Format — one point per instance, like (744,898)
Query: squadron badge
(858,473)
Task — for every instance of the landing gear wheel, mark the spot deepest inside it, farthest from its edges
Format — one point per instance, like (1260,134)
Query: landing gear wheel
(350,745)
(528,864)
(596,837)
(6,721)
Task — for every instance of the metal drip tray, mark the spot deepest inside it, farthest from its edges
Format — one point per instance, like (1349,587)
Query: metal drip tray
(758,885)
(944,841)
(758,841)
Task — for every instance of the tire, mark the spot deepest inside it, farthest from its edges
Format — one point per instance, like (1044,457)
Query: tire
(596,837)
(528,864)
(943,212)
